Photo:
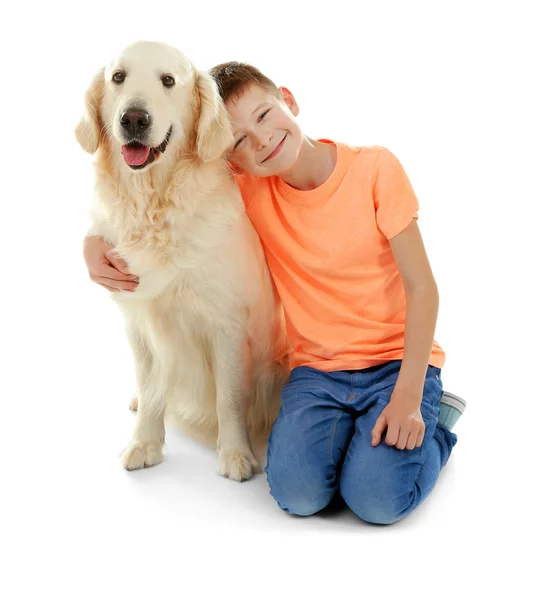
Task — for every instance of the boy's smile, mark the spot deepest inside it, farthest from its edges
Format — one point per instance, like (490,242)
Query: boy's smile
(277,149)
(267,139)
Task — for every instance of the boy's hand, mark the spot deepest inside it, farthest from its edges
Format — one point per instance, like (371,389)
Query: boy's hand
(403,420)
(105,267)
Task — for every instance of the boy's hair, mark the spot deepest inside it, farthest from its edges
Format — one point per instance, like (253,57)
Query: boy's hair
(233,78)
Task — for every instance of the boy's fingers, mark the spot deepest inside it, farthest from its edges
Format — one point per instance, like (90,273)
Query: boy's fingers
(114,285)
(392,434)
(117,262)
(412,441)
(378,429)
(108,272)
(404,435)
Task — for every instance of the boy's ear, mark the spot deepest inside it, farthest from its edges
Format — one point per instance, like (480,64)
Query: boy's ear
(234,168)
(289,100)
(89,129)
(214,133)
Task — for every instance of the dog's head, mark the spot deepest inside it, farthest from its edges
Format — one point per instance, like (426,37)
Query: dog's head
(151,99)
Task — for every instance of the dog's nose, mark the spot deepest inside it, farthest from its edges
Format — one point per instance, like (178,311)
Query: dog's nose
(135,121)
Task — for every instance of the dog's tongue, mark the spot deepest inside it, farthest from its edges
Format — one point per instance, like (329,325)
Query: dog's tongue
(135,156)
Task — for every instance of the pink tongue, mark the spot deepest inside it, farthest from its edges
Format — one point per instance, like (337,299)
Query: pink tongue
(135,156)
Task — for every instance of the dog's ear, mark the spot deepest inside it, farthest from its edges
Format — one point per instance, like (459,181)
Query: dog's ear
(88,130)
(214,133)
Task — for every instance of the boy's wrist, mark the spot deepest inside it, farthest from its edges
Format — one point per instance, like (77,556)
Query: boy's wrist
(411,382)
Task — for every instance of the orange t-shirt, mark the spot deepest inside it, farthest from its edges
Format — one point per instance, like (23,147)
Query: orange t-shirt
(329,255)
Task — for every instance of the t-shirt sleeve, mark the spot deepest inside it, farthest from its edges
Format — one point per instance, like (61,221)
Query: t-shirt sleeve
(395,201)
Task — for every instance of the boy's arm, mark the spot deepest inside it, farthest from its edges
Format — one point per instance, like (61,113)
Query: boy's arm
(421,308)
(402,416)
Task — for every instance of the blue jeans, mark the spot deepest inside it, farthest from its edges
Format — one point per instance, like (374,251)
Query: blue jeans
(321,443)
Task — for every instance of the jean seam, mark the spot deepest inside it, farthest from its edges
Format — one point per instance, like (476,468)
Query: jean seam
(332,437)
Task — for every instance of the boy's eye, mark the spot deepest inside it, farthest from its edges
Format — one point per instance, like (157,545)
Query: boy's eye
(238,142)
(264,114)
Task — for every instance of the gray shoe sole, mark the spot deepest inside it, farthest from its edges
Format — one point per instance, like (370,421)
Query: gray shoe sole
(454,401)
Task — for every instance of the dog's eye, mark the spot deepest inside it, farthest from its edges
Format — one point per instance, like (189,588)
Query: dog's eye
(118,77)
(168,80)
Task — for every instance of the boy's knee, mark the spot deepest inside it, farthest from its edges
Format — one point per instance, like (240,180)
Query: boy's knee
(382,500)
(301,506)
(298,493)
(374,510)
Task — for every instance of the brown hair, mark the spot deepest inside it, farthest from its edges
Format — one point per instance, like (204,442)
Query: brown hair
(233,78)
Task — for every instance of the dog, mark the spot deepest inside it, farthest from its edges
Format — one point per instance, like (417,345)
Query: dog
(205,324)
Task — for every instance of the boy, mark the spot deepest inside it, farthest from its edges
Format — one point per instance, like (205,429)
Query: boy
(361,413)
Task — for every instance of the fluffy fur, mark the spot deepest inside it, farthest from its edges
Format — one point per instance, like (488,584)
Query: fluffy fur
(204,323)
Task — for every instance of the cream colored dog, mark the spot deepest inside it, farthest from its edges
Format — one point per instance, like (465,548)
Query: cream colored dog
(204,323)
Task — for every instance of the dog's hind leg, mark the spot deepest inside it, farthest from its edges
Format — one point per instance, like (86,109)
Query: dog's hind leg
(146,446)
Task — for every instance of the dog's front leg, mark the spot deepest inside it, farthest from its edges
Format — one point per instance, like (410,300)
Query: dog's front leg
(236,459)
(146,446)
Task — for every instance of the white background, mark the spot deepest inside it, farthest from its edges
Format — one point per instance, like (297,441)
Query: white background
(450,89)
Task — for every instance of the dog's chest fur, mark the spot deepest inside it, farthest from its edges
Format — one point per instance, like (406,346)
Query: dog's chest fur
(181,236)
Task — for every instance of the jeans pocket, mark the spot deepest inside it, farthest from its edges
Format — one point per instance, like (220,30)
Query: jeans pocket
(430,404)
(429,410)
(435,373)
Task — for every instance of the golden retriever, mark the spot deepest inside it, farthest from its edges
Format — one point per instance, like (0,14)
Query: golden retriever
(204,324)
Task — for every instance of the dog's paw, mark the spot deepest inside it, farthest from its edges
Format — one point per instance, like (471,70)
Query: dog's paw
(139,455)
(133,405)
(237,464)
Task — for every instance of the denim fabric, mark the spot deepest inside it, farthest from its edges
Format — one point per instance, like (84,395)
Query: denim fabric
(321,444)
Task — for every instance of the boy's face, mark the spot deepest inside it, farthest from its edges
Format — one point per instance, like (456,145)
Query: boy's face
(267,139)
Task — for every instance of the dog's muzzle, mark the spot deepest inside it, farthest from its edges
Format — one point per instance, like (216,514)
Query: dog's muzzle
(138,155)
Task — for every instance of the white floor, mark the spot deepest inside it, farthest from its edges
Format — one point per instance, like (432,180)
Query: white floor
(77,524)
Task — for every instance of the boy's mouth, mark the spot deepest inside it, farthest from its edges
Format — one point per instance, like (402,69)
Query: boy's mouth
(276,150)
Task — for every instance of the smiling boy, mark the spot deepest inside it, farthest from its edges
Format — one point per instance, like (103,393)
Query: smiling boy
(339,228)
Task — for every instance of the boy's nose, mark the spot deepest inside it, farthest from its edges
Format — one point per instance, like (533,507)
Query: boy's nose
(264,140)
